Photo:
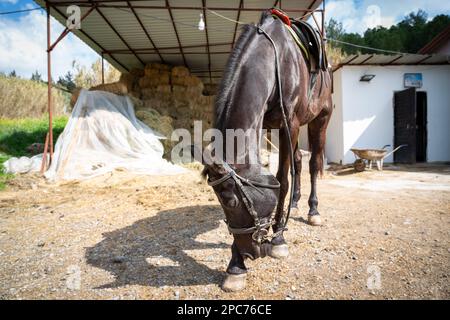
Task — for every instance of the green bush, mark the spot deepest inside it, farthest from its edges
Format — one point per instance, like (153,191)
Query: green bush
(17,134)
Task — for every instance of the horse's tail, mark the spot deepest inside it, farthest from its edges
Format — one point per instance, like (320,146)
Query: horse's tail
(314,142)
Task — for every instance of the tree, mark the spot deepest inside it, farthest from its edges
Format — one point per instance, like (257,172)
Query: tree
(409,35)
(36,76)
(13,74)
(87,78)
(67,81)
(335,30)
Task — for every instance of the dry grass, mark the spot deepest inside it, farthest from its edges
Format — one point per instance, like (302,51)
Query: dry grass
(21,98)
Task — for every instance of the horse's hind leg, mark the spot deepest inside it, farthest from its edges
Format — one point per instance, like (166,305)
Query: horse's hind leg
(297,179)
(316,136)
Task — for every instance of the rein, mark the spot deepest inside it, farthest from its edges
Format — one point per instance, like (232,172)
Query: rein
(259,230)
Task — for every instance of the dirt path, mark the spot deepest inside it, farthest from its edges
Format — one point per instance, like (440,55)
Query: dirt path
(386,235)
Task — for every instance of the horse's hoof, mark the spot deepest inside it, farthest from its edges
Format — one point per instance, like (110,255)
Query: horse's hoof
(234,282)
(295,211)
(314,220)
(280,251)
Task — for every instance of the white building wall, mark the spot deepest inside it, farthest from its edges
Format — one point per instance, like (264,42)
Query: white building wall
(334,148)
(334,143)
(364,117)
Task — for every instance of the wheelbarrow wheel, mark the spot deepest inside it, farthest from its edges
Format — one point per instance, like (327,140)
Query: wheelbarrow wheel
(359,165)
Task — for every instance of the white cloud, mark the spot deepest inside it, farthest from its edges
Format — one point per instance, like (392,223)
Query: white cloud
(358,15)
(9,1)
(23,45)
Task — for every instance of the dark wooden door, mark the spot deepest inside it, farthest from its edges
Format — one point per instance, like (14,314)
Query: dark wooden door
(405,105)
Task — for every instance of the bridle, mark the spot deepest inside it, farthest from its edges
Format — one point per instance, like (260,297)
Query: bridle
(260,229)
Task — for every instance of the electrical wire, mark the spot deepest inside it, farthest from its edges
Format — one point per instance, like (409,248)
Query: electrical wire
(19,11)
(369,48)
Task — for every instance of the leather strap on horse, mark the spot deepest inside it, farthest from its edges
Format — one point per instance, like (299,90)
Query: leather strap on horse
(260,227)
(286,125)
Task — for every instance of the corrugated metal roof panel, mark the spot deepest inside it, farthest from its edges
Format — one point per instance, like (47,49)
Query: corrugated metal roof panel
(392,60)
(158,24)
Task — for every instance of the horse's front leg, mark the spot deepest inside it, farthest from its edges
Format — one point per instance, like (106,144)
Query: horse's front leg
(235,279)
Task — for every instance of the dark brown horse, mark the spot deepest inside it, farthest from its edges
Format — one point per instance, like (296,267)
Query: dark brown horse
(249,98)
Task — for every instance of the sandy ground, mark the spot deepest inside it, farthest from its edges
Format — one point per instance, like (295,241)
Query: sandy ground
(386,235)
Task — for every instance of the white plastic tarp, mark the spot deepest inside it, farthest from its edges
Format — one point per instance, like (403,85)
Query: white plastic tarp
(102,134)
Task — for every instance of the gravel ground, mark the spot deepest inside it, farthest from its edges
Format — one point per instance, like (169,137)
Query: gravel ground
(137,237)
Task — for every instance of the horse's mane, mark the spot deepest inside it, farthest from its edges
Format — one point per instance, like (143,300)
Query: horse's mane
(231,70)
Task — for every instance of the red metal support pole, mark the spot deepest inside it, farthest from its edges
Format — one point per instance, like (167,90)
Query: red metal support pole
(49,85)
(324,31)
(103,69)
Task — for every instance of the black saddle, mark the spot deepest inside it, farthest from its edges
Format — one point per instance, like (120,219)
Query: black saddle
(312,40)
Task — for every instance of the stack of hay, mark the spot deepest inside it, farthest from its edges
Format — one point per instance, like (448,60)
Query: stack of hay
(164,97)
(174,92)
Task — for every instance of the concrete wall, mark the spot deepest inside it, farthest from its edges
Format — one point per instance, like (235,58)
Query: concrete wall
(363,117)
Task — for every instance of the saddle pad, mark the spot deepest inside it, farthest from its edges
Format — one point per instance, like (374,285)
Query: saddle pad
(316,48)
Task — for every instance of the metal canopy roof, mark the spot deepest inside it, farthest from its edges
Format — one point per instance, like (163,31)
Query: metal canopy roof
(393,60)
(130,34)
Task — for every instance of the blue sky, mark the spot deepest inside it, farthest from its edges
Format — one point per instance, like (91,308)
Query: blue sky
(23,36)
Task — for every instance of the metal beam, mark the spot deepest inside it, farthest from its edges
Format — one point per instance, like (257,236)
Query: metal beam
(394,60)
(118,34)
(167,7)
(207,39)
(92,40)
(152,50)
(424,59)
(241,5)
(176,33)
(365,60)
(145,31)
(67,30)
(49,86)
(346,63)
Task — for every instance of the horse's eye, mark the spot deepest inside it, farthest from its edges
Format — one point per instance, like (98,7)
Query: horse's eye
(233,202)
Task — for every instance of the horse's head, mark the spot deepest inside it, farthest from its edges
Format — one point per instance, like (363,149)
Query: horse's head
(244,191)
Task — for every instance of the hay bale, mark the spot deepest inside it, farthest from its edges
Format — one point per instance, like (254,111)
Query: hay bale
(178,81)
(74,97)
(116,87)
(164,78)
(161,124)
(193,81)
(128,80)
(151,73)
(165,88)
(147,82)
(180,71)
(148,93)
(137,73)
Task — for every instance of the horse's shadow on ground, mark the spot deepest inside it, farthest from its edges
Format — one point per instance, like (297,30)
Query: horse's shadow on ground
(133,254)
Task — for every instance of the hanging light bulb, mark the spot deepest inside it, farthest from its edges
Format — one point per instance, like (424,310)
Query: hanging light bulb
(201,23)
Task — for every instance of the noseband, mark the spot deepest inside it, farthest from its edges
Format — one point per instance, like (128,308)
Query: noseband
(260,230)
